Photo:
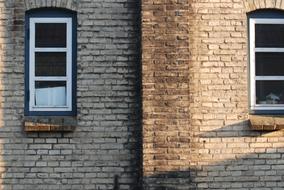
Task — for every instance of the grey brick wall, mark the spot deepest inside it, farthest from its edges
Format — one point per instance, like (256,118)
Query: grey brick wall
(105,142)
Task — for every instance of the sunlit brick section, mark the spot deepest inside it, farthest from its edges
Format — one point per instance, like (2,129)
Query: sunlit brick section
(165,87)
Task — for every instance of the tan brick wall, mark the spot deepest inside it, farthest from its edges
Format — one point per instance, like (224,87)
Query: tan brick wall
(220,97)
(222,152)
(165,74)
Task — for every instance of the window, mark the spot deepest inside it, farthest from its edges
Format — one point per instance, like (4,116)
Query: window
(50,74)
(266,41)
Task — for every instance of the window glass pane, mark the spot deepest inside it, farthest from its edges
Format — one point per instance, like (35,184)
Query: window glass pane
(50,93)
(50,64)
(269,35)
(269,64)
(270,92)
(50,35)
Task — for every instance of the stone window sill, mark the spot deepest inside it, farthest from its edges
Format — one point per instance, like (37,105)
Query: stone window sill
(49,124)
(266,122)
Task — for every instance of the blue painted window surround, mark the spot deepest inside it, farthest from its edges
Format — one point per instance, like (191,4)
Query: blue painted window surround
(50,62)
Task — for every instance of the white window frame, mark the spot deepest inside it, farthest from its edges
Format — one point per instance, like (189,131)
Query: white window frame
(67,78)
(253,50)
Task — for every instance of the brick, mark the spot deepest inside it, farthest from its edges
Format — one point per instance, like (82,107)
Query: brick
(194,80)
(50,152)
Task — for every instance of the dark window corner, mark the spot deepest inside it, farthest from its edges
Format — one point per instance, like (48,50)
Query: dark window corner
(49,123)
(266,122)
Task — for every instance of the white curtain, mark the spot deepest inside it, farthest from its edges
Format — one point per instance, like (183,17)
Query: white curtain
(53,96)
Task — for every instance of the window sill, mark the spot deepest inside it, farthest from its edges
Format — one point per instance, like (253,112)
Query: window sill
(266,122)
(49,124)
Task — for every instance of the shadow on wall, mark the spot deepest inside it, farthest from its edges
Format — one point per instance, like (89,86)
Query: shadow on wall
(241,159)
(240,129)
(252,171)
(172,180)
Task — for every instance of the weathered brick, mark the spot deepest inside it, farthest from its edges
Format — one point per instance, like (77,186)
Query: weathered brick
(220,140)
(107,101)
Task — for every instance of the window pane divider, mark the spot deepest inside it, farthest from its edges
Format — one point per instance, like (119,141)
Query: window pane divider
(267,21)
(269,49)
(50,78)
(51,106)
(268,107)
(269,78)
(50,49)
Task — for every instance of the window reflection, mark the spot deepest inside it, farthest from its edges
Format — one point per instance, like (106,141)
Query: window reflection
(270,92)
